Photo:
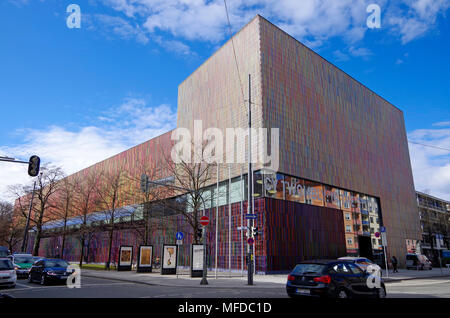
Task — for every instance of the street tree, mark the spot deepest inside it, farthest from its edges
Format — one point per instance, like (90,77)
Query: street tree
(85,202)
(112,194)
(192,176)
(10,232)
(46,187)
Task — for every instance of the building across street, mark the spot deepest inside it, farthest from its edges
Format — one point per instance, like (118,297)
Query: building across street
(344,173)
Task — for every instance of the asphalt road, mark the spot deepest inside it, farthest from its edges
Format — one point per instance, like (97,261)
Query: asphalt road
(105,288)
(420,288)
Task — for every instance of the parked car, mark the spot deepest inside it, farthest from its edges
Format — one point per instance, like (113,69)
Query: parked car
(22,264)
(331,278)
(362,262)
(7,273)
(418,261)
(4,251)
(47,270)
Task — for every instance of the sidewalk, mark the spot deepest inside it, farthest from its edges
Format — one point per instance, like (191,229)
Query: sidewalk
(224,280)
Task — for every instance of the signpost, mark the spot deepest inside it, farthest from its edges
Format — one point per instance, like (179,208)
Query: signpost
(384,242)
(250,216)
(204,221)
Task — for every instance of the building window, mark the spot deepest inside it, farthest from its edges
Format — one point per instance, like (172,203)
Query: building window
(349,241)
(347,216)
(348,228)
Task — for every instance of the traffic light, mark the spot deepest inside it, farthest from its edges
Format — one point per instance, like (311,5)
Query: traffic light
(33,166)
(144,183)
(199,233)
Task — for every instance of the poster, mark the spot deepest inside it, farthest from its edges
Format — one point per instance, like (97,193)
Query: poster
(145,256)
(125,255)
(169,257)
(197,257)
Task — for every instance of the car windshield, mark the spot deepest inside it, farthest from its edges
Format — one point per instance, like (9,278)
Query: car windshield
(23,259)
(5,264)
(302,269)
(56,263)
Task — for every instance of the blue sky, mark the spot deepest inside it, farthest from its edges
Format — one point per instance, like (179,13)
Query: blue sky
(113,83)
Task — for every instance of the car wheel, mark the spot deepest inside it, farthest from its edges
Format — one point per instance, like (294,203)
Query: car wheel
(342,294)
(381,292)
(43,280)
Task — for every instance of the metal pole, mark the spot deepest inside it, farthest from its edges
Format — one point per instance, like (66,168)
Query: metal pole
(204,280)
(385,261)
(25,234)
(242,224)
(249,199)
(217,218)
(229,218)
(253,221)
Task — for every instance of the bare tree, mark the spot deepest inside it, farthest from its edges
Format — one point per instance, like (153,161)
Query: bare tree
(192,177)
(63,204)
(149,200)
(112,194)
(85,202)
(10,232)
(47,186)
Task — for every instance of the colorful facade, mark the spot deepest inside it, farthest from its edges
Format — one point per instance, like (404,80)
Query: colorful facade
(344,164)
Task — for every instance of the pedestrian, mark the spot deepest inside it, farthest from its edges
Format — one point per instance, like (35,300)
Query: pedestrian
(394,262)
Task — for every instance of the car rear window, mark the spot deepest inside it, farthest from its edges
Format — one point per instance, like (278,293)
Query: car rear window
(302,269)
(23,259)
(56,263)
(411,257)
(5,264)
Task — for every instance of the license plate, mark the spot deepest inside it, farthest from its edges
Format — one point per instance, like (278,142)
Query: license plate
(303,291)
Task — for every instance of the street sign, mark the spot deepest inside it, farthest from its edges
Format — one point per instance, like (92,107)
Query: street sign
(383,229)
(250,241)
(179,242)
(250,216)
(383,239)
(204,220)
(179,236)
(242,228)
(377,234)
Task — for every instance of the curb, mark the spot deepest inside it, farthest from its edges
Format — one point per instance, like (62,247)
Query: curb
(188,286)
(390,280)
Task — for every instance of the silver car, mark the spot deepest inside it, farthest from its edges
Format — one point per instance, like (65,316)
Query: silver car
(8,276)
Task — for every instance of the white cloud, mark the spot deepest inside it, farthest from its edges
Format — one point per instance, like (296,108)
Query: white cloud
(122,127)
(419,17)
(442,123)
(124,29)
(431,166)
(311,21)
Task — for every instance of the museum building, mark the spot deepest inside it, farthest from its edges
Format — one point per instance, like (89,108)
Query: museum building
(344,168)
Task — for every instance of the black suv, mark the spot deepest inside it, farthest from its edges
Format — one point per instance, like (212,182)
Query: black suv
(333,278)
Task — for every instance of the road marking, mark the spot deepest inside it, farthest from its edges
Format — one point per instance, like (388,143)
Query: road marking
(20,284)
(33,288)
(422,283)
